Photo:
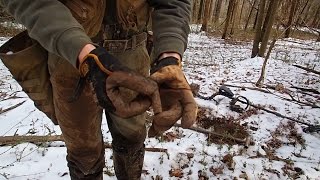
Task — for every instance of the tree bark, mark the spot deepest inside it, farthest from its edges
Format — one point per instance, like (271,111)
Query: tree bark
(241,11)
(206,17)
(257,37)
(217,11)
(300,21)
(229,17)
(200,11)
(293,11)
(250,14)
(260,81)
(235,15)
(316,18)
(273,6)
(194,11)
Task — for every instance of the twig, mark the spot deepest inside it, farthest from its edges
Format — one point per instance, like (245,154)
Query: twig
(14,140)
(12,107)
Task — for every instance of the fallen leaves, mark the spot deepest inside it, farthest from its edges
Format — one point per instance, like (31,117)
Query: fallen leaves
(176,173)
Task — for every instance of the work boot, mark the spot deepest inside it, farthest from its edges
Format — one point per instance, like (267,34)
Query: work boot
(128,162)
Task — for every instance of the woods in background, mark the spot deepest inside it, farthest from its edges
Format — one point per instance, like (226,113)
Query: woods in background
(260,18)
(257,20)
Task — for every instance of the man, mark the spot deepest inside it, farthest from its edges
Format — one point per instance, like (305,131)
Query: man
(93,39)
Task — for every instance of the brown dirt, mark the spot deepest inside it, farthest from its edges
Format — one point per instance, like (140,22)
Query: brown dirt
(8,32)
(223,126)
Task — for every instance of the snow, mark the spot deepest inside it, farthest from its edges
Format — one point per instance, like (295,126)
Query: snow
(208,62)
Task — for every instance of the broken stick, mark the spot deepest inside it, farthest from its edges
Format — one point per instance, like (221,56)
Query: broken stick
(14,140)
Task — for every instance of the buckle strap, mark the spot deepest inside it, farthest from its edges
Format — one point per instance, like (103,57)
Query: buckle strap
(123,45)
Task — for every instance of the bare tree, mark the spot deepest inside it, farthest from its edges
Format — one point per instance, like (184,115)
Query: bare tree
(241,10)
(200,11)
(250,13)
(293,11)
(235,15)
(316,17)
(229,18)
(206,17)
(217,11)
(272,11)
(257,37)
(300,21)
(194,10)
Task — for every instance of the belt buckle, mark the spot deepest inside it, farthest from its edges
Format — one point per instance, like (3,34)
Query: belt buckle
(116,46)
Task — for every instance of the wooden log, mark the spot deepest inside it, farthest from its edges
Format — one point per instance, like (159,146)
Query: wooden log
(14,140)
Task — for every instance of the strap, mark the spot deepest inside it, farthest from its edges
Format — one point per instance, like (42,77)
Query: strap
(158,64)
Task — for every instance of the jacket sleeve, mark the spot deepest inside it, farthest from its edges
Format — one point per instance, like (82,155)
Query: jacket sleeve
(170,25)
(51,24)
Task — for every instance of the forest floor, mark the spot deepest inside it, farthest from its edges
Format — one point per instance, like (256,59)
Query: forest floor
(280,149)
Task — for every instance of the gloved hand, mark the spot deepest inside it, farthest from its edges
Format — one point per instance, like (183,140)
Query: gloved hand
(176,96)
(106,74)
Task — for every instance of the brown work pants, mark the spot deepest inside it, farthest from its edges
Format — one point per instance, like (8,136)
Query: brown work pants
(80,121)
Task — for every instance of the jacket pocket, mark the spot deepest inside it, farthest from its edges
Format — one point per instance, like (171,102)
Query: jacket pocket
(27,61)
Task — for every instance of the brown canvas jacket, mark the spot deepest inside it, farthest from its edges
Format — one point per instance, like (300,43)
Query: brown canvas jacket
(65,27)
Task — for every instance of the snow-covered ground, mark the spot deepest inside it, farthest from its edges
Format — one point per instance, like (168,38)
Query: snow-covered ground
(281,150)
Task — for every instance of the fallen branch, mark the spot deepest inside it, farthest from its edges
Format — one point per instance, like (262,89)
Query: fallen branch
(14,140)
(277,114)
(306,69)
(265,91)
(251,88)
(306,89)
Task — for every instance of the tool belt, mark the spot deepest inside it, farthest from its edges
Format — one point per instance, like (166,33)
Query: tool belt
(27,60)
(118,46)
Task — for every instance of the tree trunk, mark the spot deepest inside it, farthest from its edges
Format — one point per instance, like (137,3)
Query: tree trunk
(273,6)
(300,19)
(206,17)
(229,17)
(306,15)
(260,81)
(241,11)
(266,19)
(217,11)
(250,14)
(293,10)
(211,10)
(235,15)
(257,37)
(316,18)
(200,11)
(194,11)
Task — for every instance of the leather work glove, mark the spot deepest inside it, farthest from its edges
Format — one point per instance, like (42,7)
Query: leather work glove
(106,75)
(176,96)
